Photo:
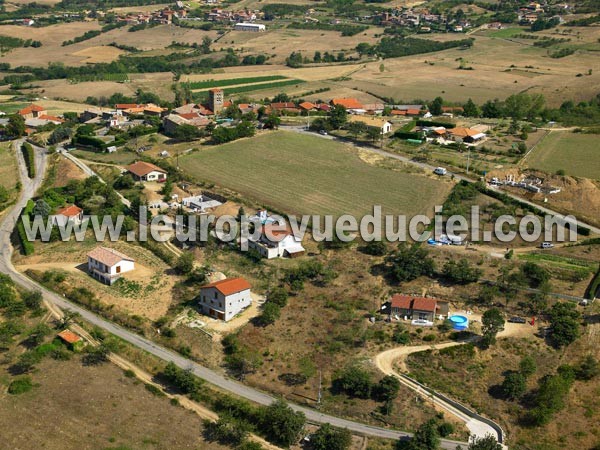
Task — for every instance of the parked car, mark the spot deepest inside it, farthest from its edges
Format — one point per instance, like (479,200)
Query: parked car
(440,171)
(547,245)
(323,132)
(517,319)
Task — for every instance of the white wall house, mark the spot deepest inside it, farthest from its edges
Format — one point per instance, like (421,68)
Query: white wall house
(107,265)
(143,171)
(73,214)
(225,299)
(275,242)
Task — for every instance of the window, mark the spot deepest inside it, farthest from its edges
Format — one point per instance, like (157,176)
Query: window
(215,294)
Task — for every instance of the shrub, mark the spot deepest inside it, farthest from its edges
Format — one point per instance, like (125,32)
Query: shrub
(29,157)
(20,385)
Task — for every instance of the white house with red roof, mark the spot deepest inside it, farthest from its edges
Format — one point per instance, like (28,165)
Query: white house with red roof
(276,241)
(32,111)
(225,299)
(144,171)
(107,265)
(72,213)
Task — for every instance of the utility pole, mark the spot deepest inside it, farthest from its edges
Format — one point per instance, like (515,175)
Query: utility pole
(320,386)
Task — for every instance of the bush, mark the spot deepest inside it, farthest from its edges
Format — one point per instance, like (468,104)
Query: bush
(278,296)
(356,382)
(270,314)
(20,385)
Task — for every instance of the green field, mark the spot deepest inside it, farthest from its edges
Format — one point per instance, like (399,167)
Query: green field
(507,32)
(304,174)
(575,153)
(232,81)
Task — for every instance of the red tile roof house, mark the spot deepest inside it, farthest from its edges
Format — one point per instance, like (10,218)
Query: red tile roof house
(67,214)
(143,171)
(411,307)
(107,265)
(351,104)
(32,111)
(225,299)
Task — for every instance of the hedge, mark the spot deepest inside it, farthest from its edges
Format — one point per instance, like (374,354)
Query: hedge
(594,286)
(29,157)
(434,123)
(89,141)
(26,246)
(407,135)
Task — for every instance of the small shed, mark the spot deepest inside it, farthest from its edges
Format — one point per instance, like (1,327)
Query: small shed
(72,340)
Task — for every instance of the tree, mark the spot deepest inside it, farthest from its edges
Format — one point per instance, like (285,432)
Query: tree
(294,60)
(205,46)
(16,126)
(270,314)
(279,296)
(492,323)
(37,334)
(375,248)
(338,116)
(32,299)
(329,438)
(41,208)
(373,133)
(185,263)
(364,49)
(461,272)
(167,190)
(281,424)
(356,381)
(492,109)
(60,134)
(186,133)
(387,388)
(317,57)
(470,109)
(487,442)
(426,437)
(271,122)
(535,274)
(527,366)
(228,430)
(435,107)
(564,323)
(487,294)
(409,262)
(588,369)
(514,385)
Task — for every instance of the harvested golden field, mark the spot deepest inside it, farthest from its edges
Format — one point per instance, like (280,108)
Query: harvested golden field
(52,38)
(279,43)
(99,54)
(77,407)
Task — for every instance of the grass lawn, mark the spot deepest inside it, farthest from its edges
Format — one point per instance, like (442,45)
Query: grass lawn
(507,32)
(119,157)
(305,174)
(577,154)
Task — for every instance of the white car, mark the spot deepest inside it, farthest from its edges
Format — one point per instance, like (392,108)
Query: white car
(440,171)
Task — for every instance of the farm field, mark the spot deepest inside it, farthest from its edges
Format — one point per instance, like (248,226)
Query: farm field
(280,170)
(79,407)
(574,153)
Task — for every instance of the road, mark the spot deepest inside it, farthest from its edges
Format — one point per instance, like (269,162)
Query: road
(430,168)
(216,379)
(393,361)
